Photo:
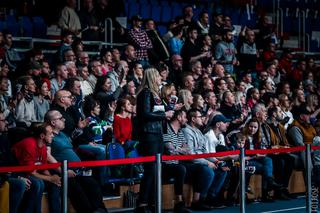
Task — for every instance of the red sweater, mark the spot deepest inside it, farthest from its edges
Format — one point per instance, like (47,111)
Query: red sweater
(122,129)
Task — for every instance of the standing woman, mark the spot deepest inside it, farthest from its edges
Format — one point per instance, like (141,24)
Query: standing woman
(150,115)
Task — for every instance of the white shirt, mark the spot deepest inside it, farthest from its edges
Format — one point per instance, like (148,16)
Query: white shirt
(214,141)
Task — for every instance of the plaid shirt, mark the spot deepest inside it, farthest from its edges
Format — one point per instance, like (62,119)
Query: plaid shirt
(141,42)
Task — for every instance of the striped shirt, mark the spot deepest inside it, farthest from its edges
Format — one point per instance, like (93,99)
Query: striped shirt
(141,42)
(175,143)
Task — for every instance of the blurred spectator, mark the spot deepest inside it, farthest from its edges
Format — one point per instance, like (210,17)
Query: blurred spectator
(89,22)
(57,83)
(69,19)
(159,52)
(41,99)
(103,93)
(83,77)
(175,43)
(140,40)
(225,52)
(12,57)
(217,28)
(203,24)
(187,13)
(190,51)
(248,52)
(106,61)
(25,112)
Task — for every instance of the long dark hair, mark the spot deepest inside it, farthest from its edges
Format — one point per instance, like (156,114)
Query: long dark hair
(100,82)
(256,137)
(120,103)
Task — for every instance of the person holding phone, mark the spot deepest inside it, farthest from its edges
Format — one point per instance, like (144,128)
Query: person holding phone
(150,115)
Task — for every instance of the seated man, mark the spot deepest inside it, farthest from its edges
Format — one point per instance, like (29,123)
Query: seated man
(214,170)
(84,192)
(33,151)
(17,185)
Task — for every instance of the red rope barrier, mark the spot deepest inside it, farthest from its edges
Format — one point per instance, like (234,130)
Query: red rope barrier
(111,162)
(273,151)
(149,159)
(315,147)
(209,155)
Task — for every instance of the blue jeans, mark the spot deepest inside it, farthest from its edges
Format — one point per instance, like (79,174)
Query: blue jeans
(263,166)
(201,177)
(99,152)
(33,197)
(217,183)
(54,197)
(17,189)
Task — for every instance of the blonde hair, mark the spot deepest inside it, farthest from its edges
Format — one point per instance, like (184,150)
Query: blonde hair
(311,100)
(166,90)
(183,98)
(150,81)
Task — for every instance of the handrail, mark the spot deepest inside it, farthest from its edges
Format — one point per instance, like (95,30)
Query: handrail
(108,27)
(280,21)
(308,43)
(303,30)
(299,27)
(32,41)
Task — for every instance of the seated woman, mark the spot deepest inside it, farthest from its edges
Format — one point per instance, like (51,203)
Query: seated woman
(122,124)
(262,163)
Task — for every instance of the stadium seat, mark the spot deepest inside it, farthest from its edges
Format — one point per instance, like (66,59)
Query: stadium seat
(314,46)
(134,9)
(39,27)
(164,3)
(145,11)
(156,13)
(26,26)
(235,17)
(116,151)
(197,11)
(162,29)
(13,25)
(2,25)
(166,14)
(176,10)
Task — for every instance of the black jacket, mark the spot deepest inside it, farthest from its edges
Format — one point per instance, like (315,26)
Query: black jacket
(149,121)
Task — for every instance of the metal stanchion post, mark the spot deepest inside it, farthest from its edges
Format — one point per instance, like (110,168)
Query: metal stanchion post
(308,177)
(64,198)
(242,182)
(158,183)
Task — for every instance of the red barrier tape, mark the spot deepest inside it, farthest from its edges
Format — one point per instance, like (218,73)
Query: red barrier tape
(272,151)
(315,147)
(190,157)
(29,168)
(111,162)
(149,159)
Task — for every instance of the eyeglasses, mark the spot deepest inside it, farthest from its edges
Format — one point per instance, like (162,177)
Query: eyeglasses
(60,118)
(70,96)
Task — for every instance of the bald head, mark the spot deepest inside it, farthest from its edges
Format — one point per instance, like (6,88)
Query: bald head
(51,115)
(63,98)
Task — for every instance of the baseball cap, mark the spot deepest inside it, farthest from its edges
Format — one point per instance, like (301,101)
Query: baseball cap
(136,18)
(219,118)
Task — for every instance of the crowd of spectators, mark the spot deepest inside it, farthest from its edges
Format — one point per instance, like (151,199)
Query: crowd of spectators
(195,90)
